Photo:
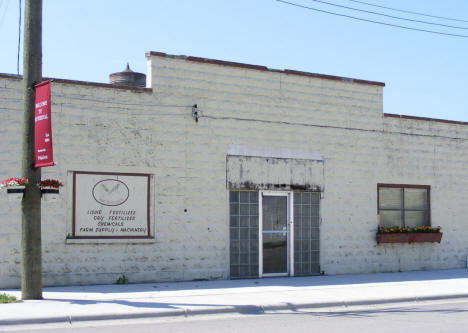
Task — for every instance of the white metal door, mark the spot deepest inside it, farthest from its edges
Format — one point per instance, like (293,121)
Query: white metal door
(276,234)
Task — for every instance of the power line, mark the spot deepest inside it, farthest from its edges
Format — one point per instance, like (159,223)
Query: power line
(2,16)
(409,12)
(19,39)
(288,123)
(390,16)
(371,21)
(149,113)
(121,103)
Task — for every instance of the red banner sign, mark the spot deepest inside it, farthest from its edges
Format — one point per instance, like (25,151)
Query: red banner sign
(42,126)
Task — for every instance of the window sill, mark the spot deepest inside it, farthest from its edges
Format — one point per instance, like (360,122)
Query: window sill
(110,241)
(414,237)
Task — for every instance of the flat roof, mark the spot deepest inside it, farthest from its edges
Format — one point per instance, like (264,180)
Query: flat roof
(402,116)
(81,83)
(263,68)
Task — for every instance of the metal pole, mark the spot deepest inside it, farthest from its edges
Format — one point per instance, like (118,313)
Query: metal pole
(31,265)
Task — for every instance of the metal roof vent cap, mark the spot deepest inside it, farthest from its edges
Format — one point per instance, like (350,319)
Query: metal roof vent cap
(128,78)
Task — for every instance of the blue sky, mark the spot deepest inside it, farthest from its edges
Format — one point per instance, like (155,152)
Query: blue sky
(425,74)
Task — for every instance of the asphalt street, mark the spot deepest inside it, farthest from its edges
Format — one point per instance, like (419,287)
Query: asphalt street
(435,316)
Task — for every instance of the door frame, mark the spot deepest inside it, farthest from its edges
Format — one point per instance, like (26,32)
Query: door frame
(290,230)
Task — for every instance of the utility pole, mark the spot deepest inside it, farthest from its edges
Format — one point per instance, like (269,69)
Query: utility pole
(31,263)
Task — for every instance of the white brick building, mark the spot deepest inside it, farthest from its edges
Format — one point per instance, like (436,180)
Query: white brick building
(273,172)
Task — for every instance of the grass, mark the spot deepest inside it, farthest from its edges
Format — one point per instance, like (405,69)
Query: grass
(122,280)
(4,298)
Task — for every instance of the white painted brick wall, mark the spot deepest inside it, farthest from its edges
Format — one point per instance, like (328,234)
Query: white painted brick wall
(115,130)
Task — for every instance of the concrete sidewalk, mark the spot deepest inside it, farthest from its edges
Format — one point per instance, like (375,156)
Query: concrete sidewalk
(104,302)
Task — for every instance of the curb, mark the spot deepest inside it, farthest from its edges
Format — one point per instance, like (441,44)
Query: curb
(242,309)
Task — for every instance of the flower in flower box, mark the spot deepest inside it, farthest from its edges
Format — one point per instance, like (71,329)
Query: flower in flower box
(405,230)
(407,235)
(14,184)
(427,229)
(50,185)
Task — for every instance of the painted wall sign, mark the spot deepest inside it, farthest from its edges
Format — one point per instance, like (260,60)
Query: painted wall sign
(111,205)
(43,152)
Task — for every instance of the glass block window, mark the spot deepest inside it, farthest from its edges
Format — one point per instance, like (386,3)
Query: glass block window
(306,233)
(403,205)
(243,233)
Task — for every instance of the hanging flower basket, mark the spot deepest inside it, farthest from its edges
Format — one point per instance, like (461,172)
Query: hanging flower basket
(423,234)
(14,184)
(50,186)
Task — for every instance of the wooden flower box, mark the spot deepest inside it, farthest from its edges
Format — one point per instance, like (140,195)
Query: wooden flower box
(414,237)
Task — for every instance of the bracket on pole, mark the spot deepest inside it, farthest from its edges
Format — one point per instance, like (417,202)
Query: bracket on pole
(195,114)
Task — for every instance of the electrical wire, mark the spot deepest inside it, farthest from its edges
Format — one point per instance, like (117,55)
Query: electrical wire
(202,114)
(379,131)
(409,12)
(19,39)
(136,106)
(2,16)
(149,113)
(265,121)
(390,16)
(121,103)
(372,21)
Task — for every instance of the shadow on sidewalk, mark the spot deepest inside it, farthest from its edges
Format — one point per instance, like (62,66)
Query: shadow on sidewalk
(373,313)
(160,305)
(293,282)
